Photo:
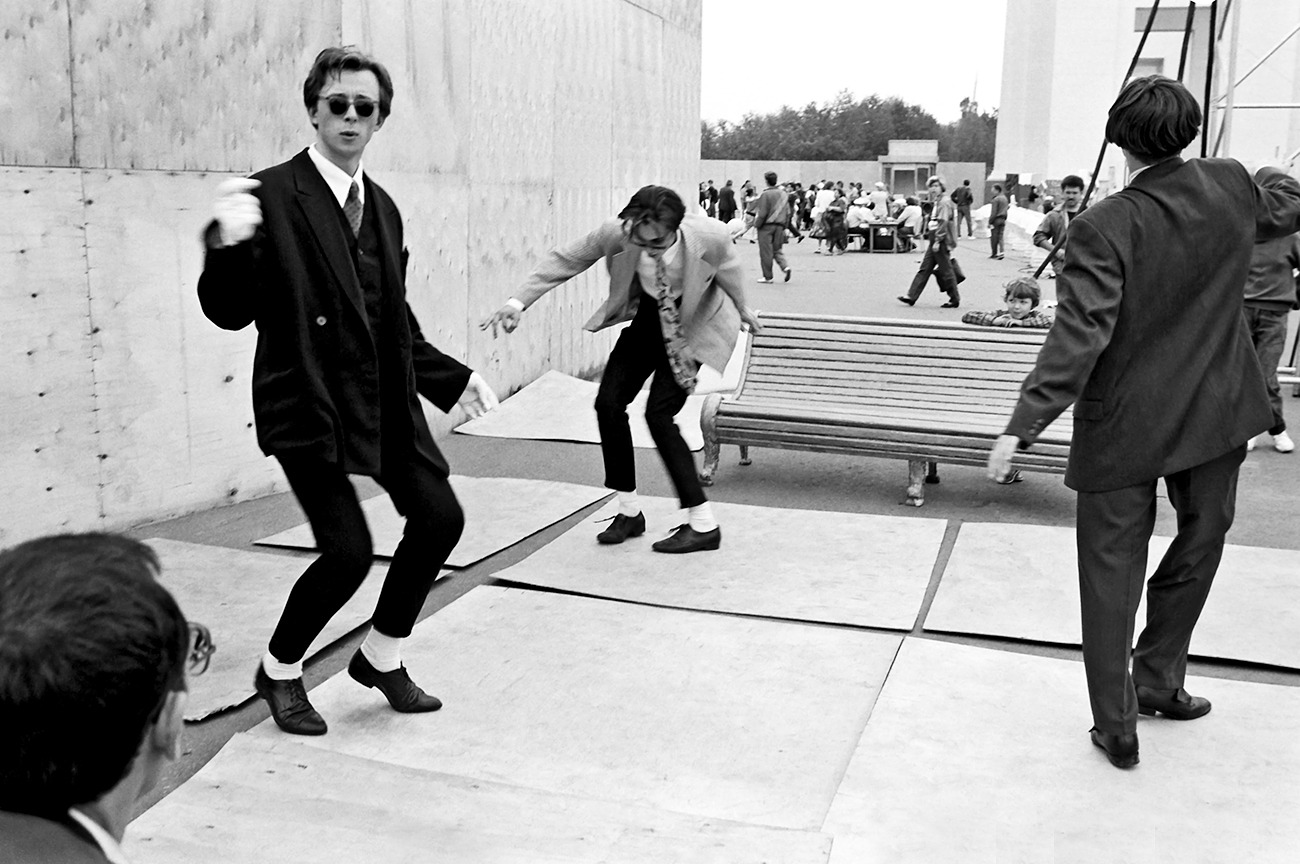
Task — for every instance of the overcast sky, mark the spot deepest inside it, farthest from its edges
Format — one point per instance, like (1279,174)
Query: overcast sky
(762,54)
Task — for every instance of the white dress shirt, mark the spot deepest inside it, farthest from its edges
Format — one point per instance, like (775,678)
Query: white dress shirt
(337,179)
(111,848)
(645,268)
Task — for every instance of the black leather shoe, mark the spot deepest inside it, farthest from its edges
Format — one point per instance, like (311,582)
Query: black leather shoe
(686,539)
(622,528)
(949,305)
(1121,750)
(289,706)
(402,692)
(908,300)
(1174,704)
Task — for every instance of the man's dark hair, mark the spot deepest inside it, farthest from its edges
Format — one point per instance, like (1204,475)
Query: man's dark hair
(653,204)
(1072,181)
(90,646)
(997,188)
(965,182)
(1154,118)
(911,200)
(770,177)
(333,62)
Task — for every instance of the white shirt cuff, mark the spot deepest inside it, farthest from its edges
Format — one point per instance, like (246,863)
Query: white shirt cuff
(515,304)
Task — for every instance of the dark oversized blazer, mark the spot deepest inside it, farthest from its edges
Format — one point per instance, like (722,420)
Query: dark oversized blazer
(316,387)
(1149,335)
(26,839)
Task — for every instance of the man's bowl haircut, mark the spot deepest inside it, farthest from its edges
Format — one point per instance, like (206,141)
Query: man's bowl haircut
(1023,287)
(1154,118)
(653,204)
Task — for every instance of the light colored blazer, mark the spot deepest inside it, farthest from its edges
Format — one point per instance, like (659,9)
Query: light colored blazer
(711,282)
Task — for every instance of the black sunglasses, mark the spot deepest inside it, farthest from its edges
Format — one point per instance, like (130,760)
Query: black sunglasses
(339,105)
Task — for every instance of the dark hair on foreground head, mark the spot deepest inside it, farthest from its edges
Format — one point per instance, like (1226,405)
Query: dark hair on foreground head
(1154,118)
(997,188)
(1023,287)
(332,62)
(1072,181)
(653,204)
(770,177)
(90,646)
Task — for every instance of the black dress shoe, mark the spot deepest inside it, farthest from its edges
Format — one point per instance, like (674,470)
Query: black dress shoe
(908,300)
(1121,750)
(402,692)
(622,528)
(686,539)
(1174,704)
(949,305)
(289,706)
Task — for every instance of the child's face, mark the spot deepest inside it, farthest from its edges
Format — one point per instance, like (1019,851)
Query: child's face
(1019,307)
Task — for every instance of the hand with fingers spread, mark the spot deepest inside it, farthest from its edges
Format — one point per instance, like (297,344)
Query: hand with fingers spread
(507,318)
(237,210)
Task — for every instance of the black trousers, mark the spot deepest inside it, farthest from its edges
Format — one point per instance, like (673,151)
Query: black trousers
(434,522)
(1113,529)
(639,353)
(995,237)
(937,260)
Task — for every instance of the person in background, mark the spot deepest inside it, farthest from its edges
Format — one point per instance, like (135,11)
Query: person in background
(963,198)
(942,228)
(92,693)
(771,213)
(726,203)
(837,231)
(910,223)
(711,194)
(998,209)
(1022,296)
(1057,221)
(1270,297)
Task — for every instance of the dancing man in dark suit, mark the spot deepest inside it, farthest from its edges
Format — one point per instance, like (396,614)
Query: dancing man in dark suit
(311,251)
(1151,347)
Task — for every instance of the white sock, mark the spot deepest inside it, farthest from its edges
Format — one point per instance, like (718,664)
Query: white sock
(383,652)
(700,517)
(277,671)
(628,503)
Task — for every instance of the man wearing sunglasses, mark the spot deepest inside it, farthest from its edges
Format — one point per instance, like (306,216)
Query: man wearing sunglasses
(92,693)
(677,278)
(312,252)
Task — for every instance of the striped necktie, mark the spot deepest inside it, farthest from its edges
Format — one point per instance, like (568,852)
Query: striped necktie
(352,209)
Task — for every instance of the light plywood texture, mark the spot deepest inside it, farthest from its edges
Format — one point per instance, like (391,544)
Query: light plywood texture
(256,792)
(188,86)
(680,168)
(1021,581)
(983,756)
(239,595)
(559,407)
(499,512)
(639,93)
(47,401)
(715,716)
(35,85)
(173,390)
(426,48)
(840,568)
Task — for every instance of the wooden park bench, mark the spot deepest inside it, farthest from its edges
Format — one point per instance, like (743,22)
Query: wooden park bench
(924,391)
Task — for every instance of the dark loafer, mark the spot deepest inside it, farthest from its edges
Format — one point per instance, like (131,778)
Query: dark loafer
(908,300)
(622,528)
(290,708)
(949,305)
(686,539)
(1121,750)
(1174,704)
(402,692)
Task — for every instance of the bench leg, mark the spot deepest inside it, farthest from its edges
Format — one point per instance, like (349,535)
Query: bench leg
(932,473)
(712,449)
(916,471)
(744,455)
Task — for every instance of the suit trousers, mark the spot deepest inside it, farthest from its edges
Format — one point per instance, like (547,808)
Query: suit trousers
(771,238)
(638,354)
(1268,333)
(434,522)
(995,237)
(963,215)
(938,260)
(1113,529)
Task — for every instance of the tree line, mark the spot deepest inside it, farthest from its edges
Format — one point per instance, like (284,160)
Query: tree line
(849,129)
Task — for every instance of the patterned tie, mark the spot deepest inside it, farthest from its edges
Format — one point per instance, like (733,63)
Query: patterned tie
(352,209)
(670,322)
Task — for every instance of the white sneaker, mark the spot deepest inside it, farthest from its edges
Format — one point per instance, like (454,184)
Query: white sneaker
(1250,445)
(1282,443)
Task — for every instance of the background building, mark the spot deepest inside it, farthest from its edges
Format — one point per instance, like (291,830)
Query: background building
(1064,62)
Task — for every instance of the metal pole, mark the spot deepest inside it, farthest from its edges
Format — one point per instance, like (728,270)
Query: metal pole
(1209,81)
(1232,79)
(1276,48)
(1187,37)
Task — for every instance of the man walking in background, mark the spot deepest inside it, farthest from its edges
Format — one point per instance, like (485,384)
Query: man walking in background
(770,217)
(998,210)
(1057,220)
(712,194)
(1270,297)
(726,203)
(963,198)
(937,259)
(1151,348)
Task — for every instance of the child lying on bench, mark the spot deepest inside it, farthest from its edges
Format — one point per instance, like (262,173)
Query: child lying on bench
(1021,298)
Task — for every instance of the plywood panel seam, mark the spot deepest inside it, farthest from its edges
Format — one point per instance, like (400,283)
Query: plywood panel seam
(97,418)
(72,116)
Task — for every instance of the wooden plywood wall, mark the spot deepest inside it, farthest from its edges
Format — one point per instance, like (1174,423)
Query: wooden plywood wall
(516,125)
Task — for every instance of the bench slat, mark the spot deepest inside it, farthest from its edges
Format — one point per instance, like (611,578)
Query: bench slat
(946,455)
(777,346)
(775,429)
(865,366)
